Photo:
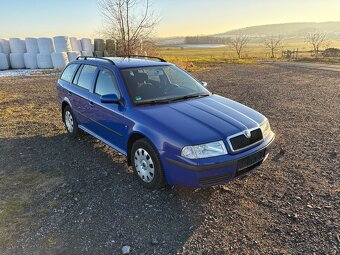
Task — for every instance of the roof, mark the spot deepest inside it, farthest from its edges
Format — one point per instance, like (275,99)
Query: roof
(122,62)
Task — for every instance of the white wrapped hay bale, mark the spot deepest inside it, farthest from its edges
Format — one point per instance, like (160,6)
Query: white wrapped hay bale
(99,45)
(17,45)
(31,45)
(44,60)
(72,55)
(75,44)
(59,60)
(45,45)
(4,65)
(86,45)
(61,44)
(30,60)
(86,53)
(5,46)
(17,60)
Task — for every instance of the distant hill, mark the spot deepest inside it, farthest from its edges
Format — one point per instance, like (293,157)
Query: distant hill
(293,31)
(287,29)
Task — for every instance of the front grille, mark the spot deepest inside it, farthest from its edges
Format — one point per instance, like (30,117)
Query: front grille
(241,141)
(248,163)
(214,179)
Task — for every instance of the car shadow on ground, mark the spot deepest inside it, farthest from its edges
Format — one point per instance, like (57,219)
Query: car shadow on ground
(80,197)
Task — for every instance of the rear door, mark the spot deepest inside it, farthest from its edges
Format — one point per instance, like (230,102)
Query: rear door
(108,119)
(79,93)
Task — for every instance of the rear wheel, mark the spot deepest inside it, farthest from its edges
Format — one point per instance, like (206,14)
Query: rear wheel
(147,165)
(70,121)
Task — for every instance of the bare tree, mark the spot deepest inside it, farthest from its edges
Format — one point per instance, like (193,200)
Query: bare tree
(125,24)
(273,43)
(238,42)
(316,40)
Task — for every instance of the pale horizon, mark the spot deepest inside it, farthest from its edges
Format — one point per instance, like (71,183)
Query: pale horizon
(82,18)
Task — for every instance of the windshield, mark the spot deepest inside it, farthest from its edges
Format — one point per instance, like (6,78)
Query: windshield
(161,84)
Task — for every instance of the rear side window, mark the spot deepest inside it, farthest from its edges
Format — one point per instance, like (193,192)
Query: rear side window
(106,83)
(86,76)
(67,75)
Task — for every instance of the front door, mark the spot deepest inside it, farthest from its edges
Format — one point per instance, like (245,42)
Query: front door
(108,119)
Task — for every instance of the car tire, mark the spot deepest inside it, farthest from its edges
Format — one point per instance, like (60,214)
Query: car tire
(70,122)
(147,165)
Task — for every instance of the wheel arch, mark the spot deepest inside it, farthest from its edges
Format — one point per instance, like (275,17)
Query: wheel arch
(132,139)
(65,103)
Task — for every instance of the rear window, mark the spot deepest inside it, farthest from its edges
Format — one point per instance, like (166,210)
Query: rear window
(67,75)
(86,76)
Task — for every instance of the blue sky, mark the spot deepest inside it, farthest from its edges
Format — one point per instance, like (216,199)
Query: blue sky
(21,18)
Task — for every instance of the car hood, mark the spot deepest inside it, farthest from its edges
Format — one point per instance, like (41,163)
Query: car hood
(200,120)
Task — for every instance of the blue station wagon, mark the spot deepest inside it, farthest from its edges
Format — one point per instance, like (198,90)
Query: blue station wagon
(169,126)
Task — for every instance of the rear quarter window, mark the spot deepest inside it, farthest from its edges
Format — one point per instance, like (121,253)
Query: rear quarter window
(68,73)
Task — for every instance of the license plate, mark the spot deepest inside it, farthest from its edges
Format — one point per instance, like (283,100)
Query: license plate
(250,160)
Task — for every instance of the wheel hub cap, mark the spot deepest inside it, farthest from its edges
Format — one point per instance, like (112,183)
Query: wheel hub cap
(144,165)
(69,121)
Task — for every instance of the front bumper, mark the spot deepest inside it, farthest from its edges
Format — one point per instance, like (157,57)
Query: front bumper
(214,171)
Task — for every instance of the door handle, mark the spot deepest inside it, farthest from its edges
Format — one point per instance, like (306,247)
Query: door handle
(69,92)
(91,103)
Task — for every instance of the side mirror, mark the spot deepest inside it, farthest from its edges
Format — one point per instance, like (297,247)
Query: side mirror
(110,99)
(204,83)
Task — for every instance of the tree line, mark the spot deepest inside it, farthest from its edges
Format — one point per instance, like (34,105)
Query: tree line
(205,40)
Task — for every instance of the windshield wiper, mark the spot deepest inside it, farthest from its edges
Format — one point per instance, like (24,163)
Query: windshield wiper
(188,97)
(169,100)
(151,102)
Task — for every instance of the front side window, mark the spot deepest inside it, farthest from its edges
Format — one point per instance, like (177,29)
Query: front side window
(86,76)
(67,75)
(106,83)
(161,84)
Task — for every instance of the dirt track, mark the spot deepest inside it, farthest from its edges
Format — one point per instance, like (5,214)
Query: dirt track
(78,197)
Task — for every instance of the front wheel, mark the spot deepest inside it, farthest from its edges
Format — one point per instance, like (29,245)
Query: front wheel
(147,165)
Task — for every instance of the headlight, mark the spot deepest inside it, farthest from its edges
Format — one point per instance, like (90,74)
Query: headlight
(265,127)
(204,150)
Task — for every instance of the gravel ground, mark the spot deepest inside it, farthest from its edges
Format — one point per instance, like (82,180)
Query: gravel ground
(59,196)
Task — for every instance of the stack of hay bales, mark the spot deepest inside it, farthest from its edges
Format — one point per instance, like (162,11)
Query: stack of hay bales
(62,47)
(99,48)
(46,48)
(87,47)
(111,48)
(30,57)
(4,54)
(48,53)
(76,49)
(18,48)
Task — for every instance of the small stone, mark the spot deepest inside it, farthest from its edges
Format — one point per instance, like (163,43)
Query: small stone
(126,249)
(309,206)
(82,190)
(225,188)
(298,198)
(154,241)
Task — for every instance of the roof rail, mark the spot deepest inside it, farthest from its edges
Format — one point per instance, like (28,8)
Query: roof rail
(141,56)
(87,57)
